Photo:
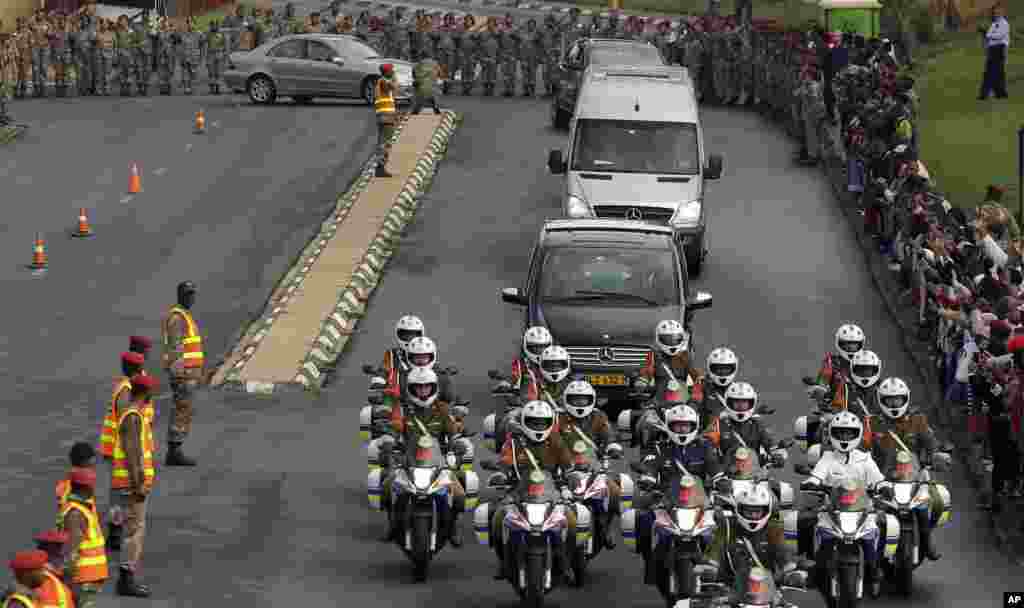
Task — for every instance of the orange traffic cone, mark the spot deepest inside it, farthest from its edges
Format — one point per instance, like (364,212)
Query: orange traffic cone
(135,182)
(200,122)
(39,254)
(84,229)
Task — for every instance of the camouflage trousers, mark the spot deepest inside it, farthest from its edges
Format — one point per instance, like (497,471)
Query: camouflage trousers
(214,68)
(85,594)
(143,69)
(40,65)
(385,131)
(529,66)
(449,60)
(188,74)
(180,422)
(85,64)
(125,70)
(104,68)
(489,70)
(63,63)
(165,72)
(508,73)
(550,65)
(468,67)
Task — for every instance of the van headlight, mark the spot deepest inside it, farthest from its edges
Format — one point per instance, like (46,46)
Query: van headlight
(687,215)
(576,207)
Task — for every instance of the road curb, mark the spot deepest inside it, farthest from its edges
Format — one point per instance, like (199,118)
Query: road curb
(290,284)
(338,327)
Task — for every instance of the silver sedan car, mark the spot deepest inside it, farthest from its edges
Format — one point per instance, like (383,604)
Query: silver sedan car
(305,66)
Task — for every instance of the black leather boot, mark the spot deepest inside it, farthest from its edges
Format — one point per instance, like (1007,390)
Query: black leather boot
(610,526)
(114,535)
(391,533)
(927,545)
(165,90)
(176,457)
(127,585)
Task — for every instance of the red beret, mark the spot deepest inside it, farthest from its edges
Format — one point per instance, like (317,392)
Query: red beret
(143,381)
(52,537)
(1015,344)
(133,359)
(140,341)
(29,560)
(83,477)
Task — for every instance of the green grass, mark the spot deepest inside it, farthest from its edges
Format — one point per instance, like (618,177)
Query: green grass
(965,143)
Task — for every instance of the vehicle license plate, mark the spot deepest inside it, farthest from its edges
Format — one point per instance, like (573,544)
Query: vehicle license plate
(607,380)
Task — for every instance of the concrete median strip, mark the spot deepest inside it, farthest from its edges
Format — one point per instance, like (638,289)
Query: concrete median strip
(314,310)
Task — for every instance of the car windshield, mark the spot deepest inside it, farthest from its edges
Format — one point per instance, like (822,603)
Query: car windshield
(641,55)
(626,146)
(613,277)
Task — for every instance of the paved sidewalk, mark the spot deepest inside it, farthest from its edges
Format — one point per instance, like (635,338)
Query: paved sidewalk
(282,351)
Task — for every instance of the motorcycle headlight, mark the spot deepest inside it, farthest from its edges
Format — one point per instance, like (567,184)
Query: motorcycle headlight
(687,215)
(536,514)
(849,523)
(902,493)
(576,207)
(687,519)
(422,478)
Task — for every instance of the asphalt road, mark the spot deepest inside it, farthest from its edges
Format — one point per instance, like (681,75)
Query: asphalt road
(276,512)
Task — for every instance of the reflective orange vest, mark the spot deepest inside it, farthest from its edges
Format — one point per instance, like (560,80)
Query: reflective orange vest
(384,101)
(91,566)
(54,593)
(63,493)
(17,599)
(108,434)
(192,343)
(120,477)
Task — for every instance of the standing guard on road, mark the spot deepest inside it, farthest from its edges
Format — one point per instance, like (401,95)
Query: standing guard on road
(105,55)
(447,51)
(470,50)
(85,559)
(387,116)
(190,54)
(216,53)
(125,57)
(490,49)
(40,55)
(84,44)
(146,54)
(531,50)
(23,41)
(183,360)
(169,40)
(550,37)
(508,44)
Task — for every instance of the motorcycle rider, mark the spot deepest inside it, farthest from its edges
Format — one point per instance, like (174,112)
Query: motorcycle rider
(427,415)
(670,360)
(849,340)
(865,370)
(547,385)
(905,430)
(534,445)
(395,361)
(582,421)
(422,352)
(721,367)
(846,463)
(689,450)
(756,542)
(526,374)
(737,426)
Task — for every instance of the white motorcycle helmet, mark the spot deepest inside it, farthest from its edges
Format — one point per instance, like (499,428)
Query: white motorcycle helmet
(849,340)
(671,337)
(537,419)
(865,368)
(554,364)
(893,397)
(683,424)
(740,401)
(535,340)
(845,432)
(407,328)
(754,507)
(579,399)
(422,352)
(422,387)
(722,365)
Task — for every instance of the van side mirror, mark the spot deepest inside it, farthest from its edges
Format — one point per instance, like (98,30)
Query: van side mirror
(556,163)
(714,168)
(338,61)
(511,295)
(700,301)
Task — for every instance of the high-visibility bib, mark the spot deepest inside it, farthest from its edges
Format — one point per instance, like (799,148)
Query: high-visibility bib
(91,566)
(54,593)
(16,600)
(384,101)
(192,343)
(108,432)
(120,478)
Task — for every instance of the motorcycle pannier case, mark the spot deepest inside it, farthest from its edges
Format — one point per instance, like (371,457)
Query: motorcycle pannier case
(488,427)
(365,423)
(800,438)
(626,483)
(629,529)
(625,425)
(943,518)
(892,536)
(791,529)
(373,455)
(583,524)
(472,486)
(375,488)
(482,523)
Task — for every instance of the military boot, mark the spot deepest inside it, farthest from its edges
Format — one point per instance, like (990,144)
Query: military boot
(19,91)
(216,89)
(38,92)
(213,89)
(509,92)
(610,528)
(61,90)
(127,585)
(144,90)
(188,89)
(165,89)
(114,535)
(176,457)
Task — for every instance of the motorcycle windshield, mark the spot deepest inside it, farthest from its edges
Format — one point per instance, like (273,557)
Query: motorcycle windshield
(904,466)
(692,497)
(850,496)
(423,456)
(535,492)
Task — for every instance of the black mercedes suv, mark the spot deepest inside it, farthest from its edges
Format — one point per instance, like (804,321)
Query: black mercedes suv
(601,286)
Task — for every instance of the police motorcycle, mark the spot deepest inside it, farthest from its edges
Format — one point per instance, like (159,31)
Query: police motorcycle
(760,591)
(911,483)
(425,482)
(533,529)
(588,482)
(743,476)
(809,430)
(375,411)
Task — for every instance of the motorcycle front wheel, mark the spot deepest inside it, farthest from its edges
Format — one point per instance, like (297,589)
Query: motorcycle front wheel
(579,565)
(533,595)
(685,582)
(904,566)
(420,553)
(847,587)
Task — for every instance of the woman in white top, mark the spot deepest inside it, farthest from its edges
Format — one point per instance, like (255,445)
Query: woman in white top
(997,41)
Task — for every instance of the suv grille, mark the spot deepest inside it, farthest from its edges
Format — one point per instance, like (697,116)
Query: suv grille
(622,356)
(651,215)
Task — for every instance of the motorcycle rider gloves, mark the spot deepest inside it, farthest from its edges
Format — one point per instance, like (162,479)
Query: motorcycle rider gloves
(865,368)
(535,340)
(423,387)
(554,364)
(722,366)
(850,339)
(845,432)
(422,352)
(740,401)
(671,337)
(579,399)
(893,397)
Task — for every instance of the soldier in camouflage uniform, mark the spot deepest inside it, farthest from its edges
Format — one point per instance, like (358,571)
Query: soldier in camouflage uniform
(168,42)
(144,57)
(377,34)
(190,54)
(470,53)
(9,61)
(232,25)
(531,49)
(509,44)
(571,29)
(40,55)
(550,52)
(124,58)
(745,68)
(447,52)
(23,40)
(398,33)
(362,25)
(490,50)
(216,53)
(104,56)
(693,54)
(85,45)
(59,51)
(420,35)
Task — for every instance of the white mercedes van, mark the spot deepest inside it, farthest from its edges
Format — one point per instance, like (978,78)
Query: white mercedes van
(636,152)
